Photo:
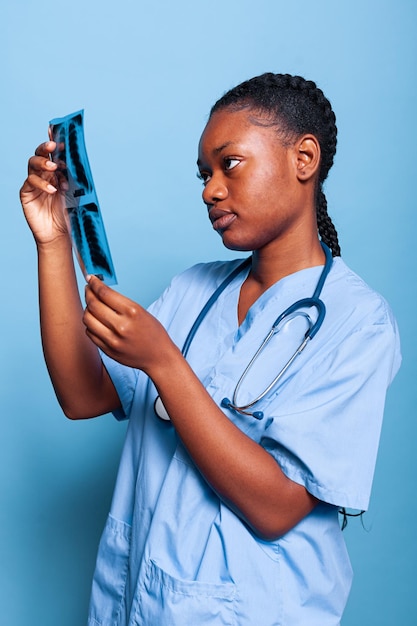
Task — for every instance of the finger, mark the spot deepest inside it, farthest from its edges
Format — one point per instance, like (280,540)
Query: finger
(94,325)
(101,334)
(37,182)
(41,164)
(45,148)
(41,175)
(97,309)
(95,338)
(106,294)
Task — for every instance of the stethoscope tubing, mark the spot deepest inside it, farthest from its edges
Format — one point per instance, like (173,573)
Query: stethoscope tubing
(295,308)
(243,408)
(213,298)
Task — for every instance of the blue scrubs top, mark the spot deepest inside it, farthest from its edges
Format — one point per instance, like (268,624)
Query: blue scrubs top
(172,553)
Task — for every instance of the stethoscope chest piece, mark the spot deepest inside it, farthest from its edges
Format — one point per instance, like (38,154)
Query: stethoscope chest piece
(160,410)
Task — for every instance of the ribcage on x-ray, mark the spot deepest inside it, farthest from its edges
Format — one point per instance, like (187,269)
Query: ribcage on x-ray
(80,175)
(87,236)
(87,228)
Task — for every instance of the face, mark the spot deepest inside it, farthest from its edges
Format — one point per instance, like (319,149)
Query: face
(251,184)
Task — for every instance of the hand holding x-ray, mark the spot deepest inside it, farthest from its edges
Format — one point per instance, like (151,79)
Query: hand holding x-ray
(81,205)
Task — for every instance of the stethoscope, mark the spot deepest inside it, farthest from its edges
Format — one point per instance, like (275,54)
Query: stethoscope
(289,313)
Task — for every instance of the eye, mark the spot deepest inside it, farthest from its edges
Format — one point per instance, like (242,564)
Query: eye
(230,163)
(204,177)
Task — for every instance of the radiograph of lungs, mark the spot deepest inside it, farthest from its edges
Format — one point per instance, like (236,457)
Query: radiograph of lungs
(76,184)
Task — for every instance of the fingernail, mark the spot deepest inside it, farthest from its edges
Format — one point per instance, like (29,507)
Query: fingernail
(51,188)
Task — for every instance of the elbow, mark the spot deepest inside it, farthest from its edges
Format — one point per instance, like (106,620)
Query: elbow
(275,524)
(74,415)
(74,418)
(85,411)
(75,412)
(269,532)
(265,524)
(265,527)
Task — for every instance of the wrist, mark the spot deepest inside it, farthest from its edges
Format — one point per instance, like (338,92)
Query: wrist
(55,258)
(168,366)
(60,243)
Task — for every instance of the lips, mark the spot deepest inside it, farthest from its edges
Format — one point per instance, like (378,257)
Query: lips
(221,219)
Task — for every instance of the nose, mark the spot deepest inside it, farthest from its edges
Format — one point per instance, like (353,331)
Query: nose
(214,191)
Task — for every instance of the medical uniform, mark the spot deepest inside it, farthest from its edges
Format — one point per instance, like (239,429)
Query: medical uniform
(172,553)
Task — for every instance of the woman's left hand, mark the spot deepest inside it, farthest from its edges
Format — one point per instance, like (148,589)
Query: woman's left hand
(123,329)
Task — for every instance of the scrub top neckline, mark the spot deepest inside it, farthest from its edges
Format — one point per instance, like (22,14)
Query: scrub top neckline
(283,287)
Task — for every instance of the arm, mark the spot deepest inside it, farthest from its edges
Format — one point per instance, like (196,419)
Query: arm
(81,383)
(244,475)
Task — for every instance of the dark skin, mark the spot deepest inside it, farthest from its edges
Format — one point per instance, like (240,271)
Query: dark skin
(260,197)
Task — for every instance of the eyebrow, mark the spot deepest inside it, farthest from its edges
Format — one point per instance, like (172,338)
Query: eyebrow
(219,149)
(222,147)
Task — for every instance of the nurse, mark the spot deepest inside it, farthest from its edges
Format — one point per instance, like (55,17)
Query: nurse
(217,517)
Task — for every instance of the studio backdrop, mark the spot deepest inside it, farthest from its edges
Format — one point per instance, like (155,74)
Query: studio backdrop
(146,75)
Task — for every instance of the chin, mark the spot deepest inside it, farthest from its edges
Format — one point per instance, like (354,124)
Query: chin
(238,246)
(231,244)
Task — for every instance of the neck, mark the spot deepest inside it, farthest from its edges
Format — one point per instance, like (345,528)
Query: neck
(270,265)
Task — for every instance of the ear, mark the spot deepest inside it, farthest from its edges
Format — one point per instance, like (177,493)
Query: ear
(308,153)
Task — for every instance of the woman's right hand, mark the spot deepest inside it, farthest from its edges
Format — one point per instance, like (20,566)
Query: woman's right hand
(42,202)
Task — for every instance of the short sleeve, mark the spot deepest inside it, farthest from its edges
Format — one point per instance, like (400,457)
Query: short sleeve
(326,435)
(124,379)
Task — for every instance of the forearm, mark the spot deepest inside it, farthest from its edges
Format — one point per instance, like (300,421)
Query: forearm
(73,361)
(243,474)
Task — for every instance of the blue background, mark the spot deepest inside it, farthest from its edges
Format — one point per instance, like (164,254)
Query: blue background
(146,74)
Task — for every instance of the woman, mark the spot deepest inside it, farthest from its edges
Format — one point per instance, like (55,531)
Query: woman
(223,514)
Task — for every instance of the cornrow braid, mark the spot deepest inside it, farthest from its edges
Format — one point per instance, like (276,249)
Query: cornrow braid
(296,106)
(326,228)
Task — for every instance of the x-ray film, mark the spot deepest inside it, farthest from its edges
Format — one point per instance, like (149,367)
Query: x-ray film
(81,204)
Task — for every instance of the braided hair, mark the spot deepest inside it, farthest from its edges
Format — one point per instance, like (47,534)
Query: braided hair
(295,106)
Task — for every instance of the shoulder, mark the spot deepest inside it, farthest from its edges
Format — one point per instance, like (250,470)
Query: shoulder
(359,321)
(354,298)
